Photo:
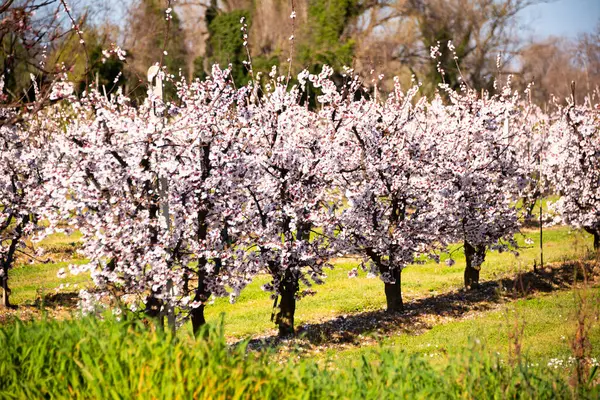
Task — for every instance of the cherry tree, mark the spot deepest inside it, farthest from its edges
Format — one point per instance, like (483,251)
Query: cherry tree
(384,168)
(21,197)
(209,189)
(15,212)
(153,190)
(477,171)
(530,145)
(572,163)
(287,192)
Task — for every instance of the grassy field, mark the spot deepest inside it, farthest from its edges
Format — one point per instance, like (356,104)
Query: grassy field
(341,295)
(250,315)
(342,328)
(544,326)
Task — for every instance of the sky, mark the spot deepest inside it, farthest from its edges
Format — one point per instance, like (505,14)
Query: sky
(561,18)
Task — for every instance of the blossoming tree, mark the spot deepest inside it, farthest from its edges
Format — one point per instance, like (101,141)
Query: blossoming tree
(21,177)
(384,168)
(153,191)
(572,163)
(286,193)
(477,171)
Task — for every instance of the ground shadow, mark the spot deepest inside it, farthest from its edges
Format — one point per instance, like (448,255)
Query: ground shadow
(421,314)
(54,304)
(53,300)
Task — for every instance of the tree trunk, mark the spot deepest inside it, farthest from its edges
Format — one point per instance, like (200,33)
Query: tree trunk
(285,316)
(202,294)
(153,309)
(197,313)
(287,305)
(5,291)
(472,270)
(596,233)
(393,292)
(9,259)
(198,319)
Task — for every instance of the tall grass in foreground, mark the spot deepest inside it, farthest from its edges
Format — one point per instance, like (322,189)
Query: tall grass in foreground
(89,358)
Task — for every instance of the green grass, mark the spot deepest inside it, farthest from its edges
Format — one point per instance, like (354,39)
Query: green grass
(546,201)
(89,358)
(28,286)
(33,280)
(341,295)
(548,324)
(60,239)
(250,315)
(464,357)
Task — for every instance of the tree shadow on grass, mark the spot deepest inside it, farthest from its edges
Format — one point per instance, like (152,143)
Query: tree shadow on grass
(53,304)
(61,299)
(422,314)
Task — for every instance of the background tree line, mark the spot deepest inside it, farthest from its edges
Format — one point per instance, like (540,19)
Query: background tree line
(389,37)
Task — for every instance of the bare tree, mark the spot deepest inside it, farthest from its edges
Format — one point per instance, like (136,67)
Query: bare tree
(587,58)
(554,63)
(28,29)
(407,29)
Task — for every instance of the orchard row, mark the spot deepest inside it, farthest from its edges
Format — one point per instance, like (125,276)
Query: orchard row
(185,199)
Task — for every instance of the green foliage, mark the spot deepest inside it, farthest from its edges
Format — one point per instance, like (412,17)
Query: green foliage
(440,35)
(151,26)
(16,72)
(19,65)
(89,358)
(198,71)
(103,71)
(321,41)
(226,44)
(325,42)
(176,51)
(264,63)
